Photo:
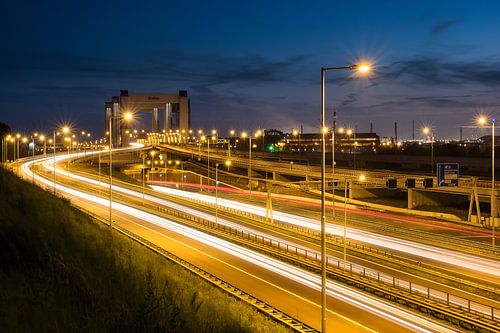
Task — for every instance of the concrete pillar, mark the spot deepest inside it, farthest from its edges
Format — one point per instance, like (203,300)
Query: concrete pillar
(410,198)
(184,116)
(115,122)
(167,121)
(154,122)
(359,193)
(418,198)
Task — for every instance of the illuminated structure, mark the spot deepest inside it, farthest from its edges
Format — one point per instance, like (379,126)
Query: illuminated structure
(344,142)
(176,108)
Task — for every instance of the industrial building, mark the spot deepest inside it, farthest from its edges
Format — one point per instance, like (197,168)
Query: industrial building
(174,107)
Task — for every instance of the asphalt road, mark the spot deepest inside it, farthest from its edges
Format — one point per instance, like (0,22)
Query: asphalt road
(298,299)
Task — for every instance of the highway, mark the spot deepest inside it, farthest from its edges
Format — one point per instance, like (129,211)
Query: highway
(374,178)
(394,319)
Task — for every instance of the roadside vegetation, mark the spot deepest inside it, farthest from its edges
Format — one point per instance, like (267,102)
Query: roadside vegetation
(61,271)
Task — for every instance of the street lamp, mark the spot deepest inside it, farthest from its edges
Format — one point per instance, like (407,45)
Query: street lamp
(127,117)
(5,148)
(428,132)
(482,120)
(296,133)
(360,68)
(216,192)
(244,135)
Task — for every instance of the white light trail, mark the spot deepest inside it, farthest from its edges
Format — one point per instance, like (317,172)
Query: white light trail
(476,263)
(355,298)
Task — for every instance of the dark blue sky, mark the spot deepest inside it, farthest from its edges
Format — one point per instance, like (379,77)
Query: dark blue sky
(253,64)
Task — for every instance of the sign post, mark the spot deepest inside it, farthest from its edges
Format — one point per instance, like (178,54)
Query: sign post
(448,174)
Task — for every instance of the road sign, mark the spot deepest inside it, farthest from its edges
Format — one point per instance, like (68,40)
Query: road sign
(448,174)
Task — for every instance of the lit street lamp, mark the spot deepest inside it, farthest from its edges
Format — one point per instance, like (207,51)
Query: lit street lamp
(244,135)
(127,117)
(428,132)
(360,68)
(484,121)
(216,192)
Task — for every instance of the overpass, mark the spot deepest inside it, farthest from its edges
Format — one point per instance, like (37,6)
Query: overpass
(308,177)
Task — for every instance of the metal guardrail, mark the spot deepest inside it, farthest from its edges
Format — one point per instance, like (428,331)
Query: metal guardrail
(254,302)
(413,289)
(353,246)
(366,273)
(453,307)
(387,279)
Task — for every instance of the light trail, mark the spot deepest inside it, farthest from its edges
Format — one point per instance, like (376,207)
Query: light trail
(355,298)
(479,264)
(356,268)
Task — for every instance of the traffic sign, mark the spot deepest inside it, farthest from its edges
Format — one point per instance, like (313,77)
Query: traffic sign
(448,174)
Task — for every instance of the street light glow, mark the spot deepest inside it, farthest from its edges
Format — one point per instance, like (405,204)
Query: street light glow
(482,120)
(363,68)
(65,129)
(128,116)
(244,135)
(426,130)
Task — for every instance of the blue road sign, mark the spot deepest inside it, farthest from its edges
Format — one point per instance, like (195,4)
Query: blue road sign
(448,174)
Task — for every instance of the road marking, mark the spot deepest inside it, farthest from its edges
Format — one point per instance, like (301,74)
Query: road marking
(252,275)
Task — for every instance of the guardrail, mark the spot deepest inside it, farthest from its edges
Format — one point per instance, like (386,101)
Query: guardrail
(254,302)
(352,245)
(387,279)
(414,289)
(467,312)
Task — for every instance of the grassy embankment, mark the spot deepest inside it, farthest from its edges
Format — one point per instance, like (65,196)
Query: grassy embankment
(60,271)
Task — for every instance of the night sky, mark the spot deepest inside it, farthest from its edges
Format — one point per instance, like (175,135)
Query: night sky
(253,64)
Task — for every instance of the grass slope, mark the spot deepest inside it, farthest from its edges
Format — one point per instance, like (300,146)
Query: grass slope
(60,271)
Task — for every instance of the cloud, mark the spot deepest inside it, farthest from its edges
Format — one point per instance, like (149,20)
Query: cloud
(351,98)
(441,26)
(435,71)
(172,65)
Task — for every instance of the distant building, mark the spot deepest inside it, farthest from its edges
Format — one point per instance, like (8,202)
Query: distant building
(311,142)
(175,107)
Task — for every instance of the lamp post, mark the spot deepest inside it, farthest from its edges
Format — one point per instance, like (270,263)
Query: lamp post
(33,156)
(216,192)
(42,138)
(484,121)
(65,130)
(362,68)
(244,135)
(25,140)
(6,141)
(428,131)
(231,135)
(333,167)
(127,117)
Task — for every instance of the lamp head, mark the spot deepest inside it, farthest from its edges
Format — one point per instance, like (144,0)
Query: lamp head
(362,68)
(482,120)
